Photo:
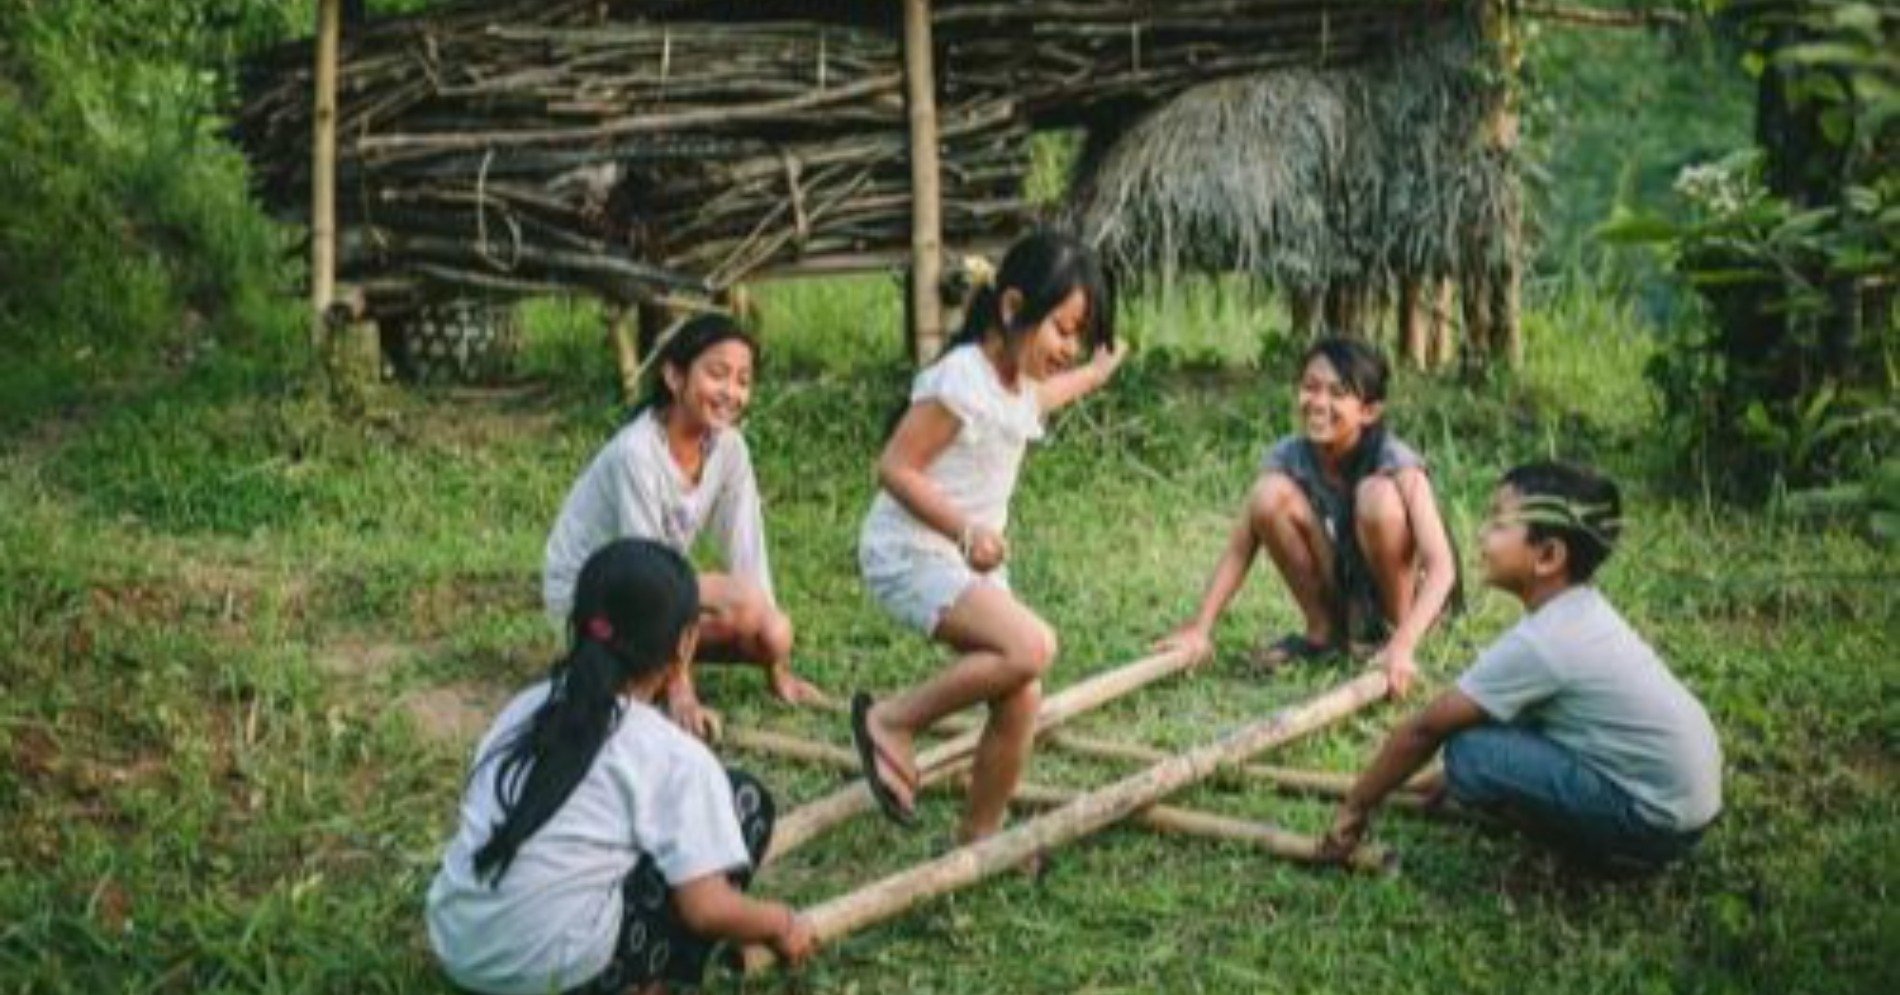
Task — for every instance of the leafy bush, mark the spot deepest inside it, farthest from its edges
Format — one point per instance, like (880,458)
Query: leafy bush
(1792,248)
(127,238)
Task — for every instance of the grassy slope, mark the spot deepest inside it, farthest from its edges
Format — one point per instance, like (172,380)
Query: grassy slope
(220,616)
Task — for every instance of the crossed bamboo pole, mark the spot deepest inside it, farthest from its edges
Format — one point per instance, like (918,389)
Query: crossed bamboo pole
(949,758)
(1087,813)
(1159,818)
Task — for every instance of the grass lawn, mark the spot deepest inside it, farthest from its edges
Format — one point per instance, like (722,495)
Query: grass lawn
(244,650)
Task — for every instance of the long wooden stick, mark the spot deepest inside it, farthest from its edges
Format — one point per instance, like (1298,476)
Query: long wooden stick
(805,823)
(1160,818)
(1369,858)
(967,865)
(1314,782)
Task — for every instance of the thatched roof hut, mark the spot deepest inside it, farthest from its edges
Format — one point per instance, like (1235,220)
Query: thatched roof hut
(1311,178)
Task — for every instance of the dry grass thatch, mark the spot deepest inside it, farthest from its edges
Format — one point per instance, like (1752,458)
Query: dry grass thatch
(1309,178)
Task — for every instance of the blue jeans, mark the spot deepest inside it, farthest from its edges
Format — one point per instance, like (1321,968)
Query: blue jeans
(1551,794)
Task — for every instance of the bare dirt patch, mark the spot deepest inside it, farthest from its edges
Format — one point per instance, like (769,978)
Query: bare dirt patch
(452,713)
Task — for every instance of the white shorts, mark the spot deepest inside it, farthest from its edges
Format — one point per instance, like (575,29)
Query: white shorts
(917,586)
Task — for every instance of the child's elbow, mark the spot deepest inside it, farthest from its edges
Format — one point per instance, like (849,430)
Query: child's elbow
(705,906)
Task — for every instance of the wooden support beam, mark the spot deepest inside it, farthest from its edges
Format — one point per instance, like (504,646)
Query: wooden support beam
(323,175)
(926,207)
(805,823)
(1596,17)
(887,898)
(620,332)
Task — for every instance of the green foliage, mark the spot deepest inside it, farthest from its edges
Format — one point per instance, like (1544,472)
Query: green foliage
(1794,377)
(224,615)
(126,236)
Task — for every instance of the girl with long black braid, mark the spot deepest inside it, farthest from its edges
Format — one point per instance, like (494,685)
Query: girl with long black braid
(600,847)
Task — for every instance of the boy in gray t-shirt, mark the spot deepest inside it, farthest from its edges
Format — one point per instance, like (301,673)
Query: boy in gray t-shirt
(1569,725)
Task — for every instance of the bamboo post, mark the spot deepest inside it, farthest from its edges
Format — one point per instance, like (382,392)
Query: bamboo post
(967,865)
(1413,323)
(1443,348)
(1502,303)
(926,209)
(620,332)
(1303,308)
(1370,858)
(805,823)
(323,175)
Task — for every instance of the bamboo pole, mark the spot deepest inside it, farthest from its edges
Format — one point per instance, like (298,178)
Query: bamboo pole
(1442,346)
(323,174)
(1159,818)
(926,210)
(1369,858)
(620,319)
(805,823)
(1291,779)
(967,865)
(1413,324)
(1503,303)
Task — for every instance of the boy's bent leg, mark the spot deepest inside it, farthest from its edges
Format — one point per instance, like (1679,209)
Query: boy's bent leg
(1550,793)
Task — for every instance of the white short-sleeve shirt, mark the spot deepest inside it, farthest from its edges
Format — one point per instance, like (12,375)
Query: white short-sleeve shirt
(552,920)
(1576,672)
(634,490)
(977,472)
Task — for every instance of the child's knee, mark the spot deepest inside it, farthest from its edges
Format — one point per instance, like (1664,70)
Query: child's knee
(1277,498)
(1378,506)
(776,635)
(1018,706)
(1033,650)
(1471,759)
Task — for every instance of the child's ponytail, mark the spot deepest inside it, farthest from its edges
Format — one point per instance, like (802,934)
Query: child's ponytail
(1044,268)
(632,603)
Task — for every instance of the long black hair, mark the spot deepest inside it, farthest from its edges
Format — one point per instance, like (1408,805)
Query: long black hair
(679,350)
(1045,267)
(632,603)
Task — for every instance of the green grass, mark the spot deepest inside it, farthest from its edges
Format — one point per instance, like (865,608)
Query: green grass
(219,610)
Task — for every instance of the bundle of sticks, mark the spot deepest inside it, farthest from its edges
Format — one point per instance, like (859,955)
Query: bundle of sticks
(644,148)
(1071,63)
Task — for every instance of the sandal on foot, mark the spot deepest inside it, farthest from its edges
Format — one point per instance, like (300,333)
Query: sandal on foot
(869,755)
(1291,648)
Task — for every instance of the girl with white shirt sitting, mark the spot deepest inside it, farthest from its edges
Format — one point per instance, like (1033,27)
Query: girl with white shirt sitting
(933,550)
(600,848)
(679,467)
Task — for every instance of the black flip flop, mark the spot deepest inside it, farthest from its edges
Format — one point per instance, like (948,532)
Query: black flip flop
(868,754)
(1293,647)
